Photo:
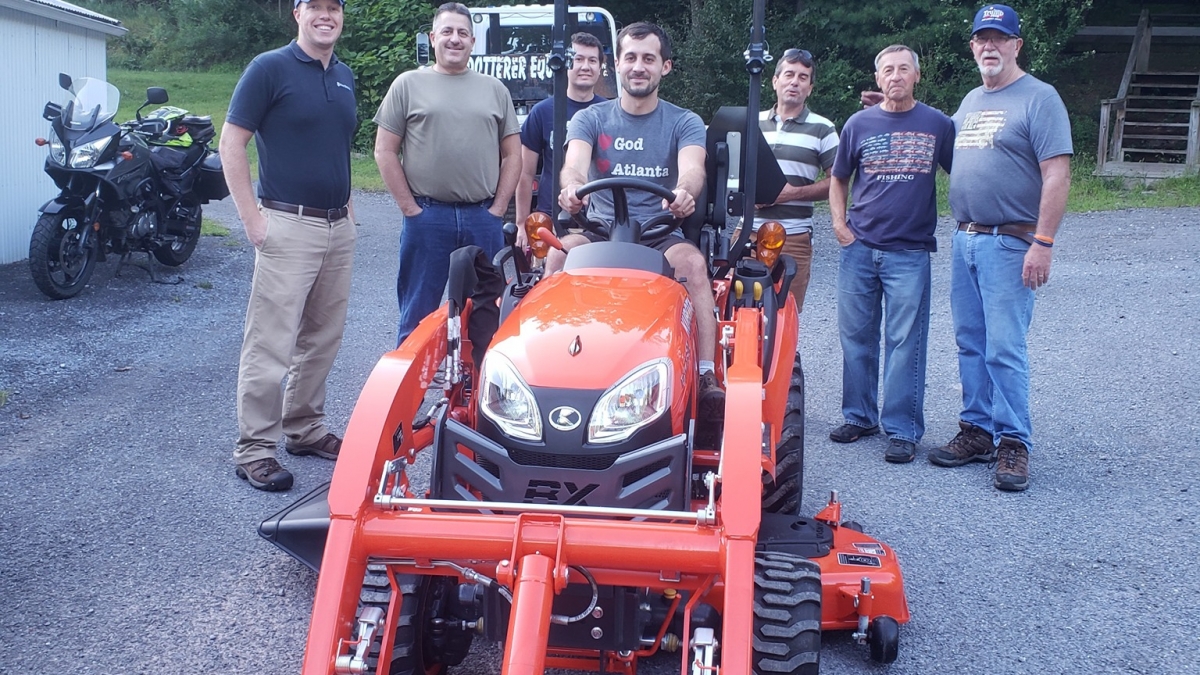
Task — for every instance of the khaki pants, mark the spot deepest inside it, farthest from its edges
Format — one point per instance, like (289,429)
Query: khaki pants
(294,325)
(799,246)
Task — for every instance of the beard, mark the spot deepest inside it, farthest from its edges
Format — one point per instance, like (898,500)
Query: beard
(990,71)
(642,91)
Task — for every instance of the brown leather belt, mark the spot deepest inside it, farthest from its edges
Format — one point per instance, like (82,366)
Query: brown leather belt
(326,214)
(1022,231)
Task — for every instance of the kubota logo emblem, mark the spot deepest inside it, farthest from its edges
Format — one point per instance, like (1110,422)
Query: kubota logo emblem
(565,418)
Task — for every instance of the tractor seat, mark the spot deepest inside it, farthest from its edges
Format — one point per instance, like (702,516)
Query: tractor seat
(618,256)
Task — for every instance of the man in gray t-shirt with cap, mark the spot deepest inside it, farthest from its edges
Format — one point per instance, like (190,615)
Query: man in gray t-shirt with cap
(1008,192)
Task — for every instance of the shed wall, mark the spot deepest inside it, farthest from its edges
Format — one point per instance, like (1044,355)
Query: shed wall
(36,50)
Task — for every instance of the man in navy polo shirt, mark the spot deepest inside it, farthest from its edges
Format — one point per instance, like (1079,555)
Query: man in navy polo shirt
(298,103)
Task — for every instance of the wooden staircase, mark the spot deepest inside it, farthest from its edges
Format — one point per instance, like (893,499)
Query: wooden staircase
(1152,128)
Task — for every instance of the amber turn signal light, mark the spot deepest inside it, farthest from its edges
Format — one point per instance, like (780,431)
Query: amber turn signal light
(771,236)
(537,221)
(40,141)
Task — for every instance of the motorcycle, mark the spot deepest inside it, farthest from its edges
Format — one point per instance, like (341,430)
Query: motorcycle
(128,187)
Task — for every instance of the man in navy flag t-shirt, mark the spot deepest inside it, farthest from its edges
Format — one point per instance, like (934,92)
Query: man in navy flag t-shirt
(893,151)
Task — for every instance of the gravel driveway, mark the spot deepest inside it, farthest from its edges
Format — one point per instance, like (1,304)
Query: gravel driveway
(127,545)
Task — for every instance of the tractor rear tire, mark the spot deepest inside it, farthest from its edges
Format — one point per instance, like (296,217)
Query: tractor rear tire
(783,492)
(787,615)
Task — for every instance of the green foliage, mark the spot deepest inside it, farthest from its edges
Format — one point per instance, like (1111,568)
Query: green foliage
(844,39)
(194,34)
(378,43)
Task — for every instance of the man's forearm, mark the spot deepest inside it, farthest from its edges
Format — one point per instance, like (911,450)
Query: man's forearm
(510,171)
(692,182)
(236,165)
(392,172)
(815,192)
(1056,186)
(838,193)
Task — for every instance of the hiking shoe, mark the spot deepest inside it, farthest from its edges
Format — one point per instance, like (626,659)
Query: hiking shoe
(848,433)
(900,451)
(1012,466)
(265,474)
(711,400)
(327,448)
(972,444)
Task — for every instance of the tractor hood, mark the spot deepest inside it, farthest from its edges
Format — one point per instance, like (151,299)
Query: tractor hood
(586,329)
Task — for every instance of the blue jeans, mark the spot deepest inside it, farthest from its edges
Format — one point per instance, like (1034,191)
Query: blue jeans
(426,242)
(891,288)
(992,310)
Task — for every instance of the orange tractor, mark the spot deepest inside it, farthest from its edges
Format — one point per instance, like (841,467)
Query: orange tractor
(526,468)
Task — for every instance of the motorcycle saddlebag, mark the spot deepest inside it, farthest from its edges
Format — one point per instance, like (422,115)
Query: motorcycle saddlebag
(211,186)
(200,127)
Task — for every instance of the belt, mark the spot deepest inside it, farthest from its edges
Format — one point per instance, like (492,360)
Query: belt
(1022,231)
(327,214)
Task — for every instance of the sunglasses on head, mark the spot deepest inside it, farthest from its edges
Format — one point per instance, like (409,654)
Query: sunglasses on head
(802,55)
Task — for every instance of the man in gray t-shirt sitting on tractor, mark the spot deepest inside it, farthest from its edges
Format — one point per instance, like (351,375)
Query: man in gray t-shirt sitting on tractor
(641,136)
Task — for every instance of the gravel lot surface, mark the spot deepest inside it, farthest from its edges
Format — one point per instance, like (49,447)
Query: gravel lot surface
(127,545)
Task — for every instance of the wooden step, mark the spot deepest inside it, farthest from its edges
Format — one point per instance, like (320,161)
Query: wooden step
(1150,151)
(1166,74)
(1143,137)
(1160,111)
(1142,169)
(1132,123)
(1162,98)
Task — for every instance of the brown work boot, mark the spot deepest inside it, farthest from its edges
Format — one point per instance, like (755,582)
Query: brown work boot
(1012,466)
(265,474)
(327,448)
(711,400)
(972,444)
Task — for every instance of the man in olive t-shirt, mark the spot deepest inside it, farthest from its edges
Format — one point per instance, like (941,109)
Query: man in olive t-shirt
(459,139)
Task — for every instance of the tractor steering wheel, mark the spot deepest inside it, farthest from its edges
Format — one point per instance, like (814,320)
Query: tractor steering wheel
(658,226)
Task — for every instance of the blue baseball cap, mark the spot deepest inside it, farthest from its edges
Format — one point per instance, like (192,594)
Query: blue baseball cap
(999,17)
(343,2)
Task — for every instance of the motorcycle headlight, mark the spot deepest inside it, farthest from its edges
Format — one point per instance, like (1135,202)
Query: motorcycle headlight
(58,152)
(507,401)
(634,402)
(86,155)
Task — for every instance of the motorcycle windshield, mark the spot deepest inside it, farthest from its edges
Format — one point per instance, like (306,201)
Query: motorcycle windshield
(93,102)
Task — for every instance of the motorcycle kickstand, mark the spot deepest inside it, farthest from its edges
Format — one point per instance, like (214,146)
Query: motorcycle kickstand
(148,268)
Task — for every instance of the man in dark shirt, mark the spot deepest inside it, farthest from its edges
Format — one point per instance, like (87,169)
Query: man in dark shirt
(537,132)
(298,104)
(893,150)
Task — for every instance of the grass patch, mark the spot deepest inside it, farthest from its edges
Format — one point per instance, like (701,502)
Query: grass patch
(206,285)
(3,398)
(211,228)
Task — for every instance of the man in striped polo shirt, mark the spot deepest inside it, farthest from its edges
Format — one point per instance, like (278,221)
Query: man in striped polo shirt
(805,145)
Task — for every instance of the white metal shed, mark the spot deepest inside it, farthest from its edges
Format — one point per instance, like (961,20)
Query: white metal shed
(38,39)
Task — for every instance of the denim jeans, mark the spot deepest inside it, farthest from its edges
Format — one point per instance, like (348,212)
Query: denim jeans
(891,288)
(426,242)
(992,310)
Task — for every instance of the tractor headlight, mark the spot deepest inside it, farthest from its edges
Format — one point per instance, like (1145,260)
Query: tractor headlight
(86,155)
(634,402)
(507,401)
(58,152)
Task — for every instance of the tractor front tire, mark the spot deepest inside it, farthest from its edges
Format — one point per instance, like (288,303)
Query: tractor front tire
(408,643)
(783,491)
(787,615)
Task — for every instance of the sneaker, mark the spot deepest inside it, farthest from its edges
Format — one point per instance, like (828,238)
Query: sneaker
(711,400)
(972,444)
(265,474)
(900,451)
(848,433)
(327,448)
(1012,466)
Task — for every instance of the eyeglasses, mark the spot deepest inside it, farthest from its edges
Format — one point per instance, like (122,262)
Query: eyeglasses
(802,55)
(996,40)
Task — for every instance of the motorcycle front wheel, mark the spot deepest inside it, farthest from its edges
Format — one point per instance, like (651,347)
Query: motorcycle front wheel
(177,251)
(59,265)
